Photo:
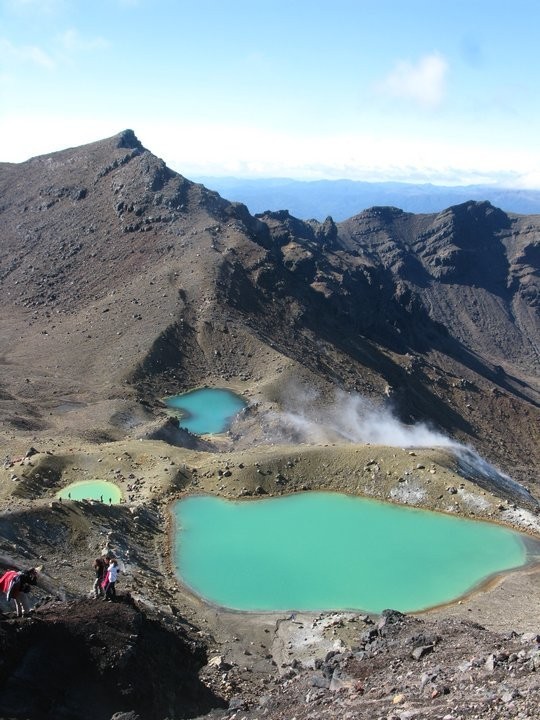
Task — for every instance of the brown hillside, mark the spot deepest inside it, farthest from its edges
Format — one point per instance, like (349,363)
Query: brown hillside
(122,281)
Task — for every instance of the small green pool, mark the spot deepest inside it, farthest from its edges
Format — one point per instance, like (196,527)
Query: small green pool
(101,490)
(328,551)
(207,410)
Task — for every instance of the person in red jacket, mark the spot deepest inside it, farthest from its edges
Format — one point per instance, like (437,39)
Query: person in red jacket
(16,585)
(100,567)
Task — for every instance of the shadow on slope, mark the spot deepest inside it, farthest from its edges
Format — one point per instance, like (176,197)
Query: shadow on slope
(108,658)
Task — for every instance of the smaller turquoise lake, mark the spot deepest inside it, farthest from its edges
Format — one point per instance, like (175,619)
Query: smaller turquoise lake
(92,490)
(328,551)
(207,410)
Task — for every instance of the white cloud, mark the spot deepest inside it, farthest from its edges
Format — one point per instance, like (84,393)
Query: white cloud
(422,82)
(245,151)
(38,56)
(528,180)
(73,41)
(14,57)
(23,136)
(195,150)
(43,7)
(25,53)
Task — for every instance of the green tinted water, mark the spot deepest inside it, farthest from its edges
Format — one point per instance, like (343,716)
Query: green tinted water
(326,551)
(91,490)
(208,410)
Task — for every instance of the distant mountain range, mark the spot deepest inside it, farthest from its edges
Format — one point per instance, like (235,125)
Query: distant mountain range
(342,199)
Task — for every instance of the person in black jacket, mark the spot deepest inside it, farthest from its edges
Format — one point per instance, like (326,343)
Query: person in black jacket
(100,567)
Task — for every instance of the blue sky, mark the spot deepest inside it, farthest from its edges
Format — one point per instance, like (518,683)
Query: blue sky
(409,90)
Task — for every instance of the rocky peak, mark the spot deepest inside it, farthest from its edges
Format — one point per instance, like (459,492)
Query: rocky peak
(128,139)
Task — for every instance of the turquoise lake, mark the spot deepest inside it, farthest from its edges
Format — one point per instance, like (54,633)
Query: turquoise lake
(207,410)
(328,551)
(92,490)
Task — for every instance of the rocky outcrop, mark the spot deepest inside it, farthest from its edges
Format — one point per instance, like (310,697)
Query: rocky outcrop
(89,659)
(400,668)
(86,658)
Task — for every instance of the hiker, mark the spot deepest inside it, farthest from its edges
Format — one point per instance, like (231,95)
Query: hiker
(16,584)
(110,580)
(100,567)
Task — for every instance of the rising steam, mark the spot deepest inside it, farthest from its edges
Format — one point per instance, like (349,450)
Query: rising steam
(353,418)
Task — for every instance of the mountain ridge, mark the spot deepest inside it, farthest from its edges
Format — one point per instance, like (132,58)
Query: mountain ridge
(173,265)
